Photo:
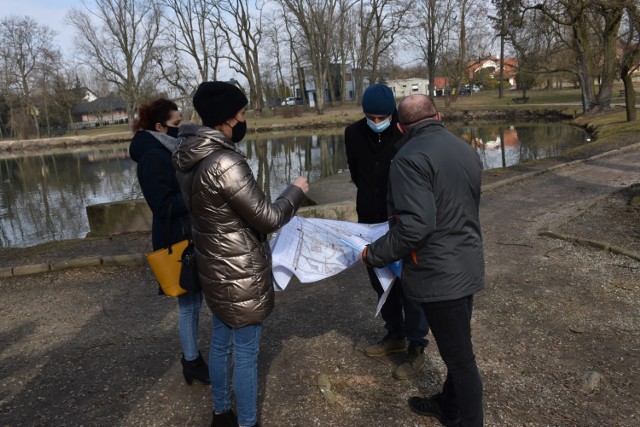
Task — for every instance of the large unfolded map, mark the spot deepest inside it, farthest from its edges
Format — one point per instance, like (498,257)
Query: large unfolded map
(313,249)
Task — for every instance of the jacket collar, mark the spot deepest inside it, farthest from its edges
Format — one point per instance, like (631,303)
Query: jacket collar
(426,126)
(197,142)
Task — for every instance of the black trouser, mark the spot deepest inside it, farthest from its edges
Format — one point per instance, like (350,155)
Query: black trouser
(402,316)
(461,396)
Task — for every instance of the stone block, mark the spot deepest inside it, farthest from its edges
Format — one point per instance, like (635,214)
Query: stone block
(76,263)
(128,259)
(106,219)
(24,270)
(344,211)
(6,272)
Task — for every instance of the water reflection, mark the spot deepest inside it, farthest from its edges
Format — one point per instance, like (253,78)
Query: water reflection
(43,197)
(278,161)
(503,146)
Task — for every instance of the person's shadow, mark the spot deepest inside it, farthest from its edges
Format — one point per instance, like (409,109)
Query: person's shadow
(318,328)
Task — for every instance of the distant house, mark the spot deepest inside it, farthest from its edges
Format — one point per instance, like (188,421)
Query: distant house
(104,110)
(404,87)
(309,86)
(88,96)
(493,65)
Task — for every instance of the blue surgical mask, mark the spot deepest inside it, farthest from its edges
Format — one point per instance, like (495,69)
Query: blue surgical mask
(379,127)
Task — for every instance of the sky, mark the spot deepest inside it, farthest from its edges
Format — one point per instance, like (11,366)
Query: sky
(46,12)
(52,14)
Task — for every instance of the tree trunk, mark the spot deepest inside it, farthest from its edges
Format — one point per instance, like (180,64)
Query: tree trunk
(629,95)
(332,89)
(612,19)
(318,78)
(501,82)
(582,48)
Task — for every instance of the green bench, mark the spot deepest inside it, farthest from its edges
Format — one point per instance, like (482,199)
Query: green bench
(521,100)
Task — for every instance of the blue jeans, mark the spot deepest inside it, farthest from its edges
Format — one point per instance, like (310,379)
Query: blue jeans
(461,394)
(241,345)
(402,316)
(188,318)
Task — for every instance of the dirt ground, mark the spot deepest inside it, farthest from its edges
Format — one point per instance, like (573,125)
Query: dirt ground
(556,329)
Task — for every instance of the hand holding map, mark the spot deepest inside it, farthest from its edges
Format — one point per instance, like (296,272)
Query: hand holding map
(311,249)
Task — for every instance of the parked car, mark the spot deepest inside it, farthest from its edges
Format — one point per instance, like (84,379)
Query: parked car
(466,89)
(292,100)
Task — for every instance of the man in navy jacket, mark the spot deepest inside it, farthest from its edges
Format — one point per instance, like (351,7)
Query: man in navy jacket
(371,143)
(434,194)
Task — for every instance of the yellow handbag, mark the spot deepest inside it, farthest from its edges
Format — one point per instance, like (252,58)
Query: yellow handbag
(166,265)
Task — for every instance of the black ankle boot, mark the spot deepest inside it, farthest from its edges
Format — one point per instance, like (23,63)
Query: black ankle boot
(226,419)
(195,370)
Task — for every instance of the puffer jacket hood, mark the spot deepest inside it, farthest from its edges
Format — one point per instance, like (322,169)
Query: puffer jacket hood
(231,217)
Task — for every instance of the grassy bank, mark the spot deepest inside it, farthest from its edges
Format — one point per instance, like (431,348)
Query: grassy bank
(610,130)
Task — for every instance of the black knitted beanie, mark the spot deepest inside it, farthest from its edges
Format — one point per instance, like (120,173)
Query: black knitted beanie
(217,102)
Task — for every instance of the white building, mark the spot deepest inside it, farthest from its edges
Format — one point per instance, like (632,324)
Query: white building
(405,87)
(336,73)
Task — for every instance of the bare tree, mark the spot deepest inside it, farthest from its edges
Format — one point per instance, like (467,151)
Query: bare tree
(432,33)
(630,56)
(387,16)
(241,22)
(500,22)
(594,26)
(343,39)
(276,40)
(120,46)
(24,48)
(454,58)
(67,93)
(297,51)
(315,20)
(192,42)
(370,30)
(48,67)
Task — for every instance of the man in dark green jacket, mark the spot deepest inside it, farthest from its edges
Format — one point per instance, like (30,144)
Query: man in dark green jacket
(434,194)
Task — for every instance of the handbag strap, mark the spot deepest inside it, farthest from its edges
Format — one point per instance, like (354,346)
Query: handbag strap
(168,229)
(193,175)
(168,220)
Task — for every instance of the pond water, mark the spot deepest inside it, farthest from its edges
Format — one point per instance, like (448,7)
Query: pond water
(43,196)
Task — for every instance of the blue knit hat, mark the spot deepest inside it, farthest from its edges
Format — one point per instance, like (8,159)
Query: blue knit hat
(378,99)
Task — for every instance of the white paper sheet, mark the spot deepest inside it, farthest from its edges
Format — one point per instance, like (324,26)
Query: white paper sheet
(311,249)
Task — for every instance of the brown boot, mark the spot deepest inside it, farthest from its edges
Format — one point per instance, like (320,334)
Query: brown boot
(412,364)
(389,344)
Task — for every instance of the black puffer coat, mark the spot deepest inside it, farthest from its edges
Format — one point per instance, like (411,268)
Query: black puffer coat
(231,219)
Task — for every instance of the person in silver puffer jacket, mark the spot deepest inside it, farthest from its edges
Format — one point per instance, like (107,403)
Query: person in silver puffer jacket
(231,217)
